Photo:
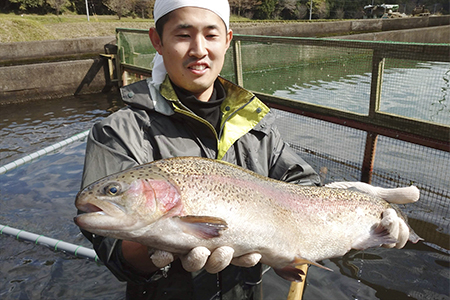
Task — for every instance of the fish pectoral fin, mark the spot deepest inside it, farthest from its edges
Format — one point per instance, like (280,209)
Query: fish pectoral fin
(301,261)
(204,227)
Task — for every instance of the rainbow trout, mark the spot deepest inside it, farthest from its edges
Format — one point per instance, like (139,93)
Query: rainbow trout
(178,204)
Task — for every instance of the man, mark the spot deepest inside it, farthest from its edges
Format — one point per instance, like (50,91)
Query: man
(188,110)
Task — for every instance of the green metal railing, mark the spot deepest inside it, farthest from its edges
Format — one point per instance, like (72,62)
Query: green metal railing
(135,54)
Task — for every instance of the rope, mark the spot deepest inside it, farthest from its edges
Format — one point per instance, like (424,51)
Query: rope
(57,245)
(42,152)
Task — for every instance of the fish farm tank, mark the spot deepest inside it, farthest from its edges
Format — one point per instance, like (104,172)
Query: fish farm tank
(356,111)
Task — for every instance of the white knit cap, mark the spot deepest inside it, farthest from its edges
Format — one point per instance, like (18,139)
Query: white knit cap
(219,7)
(163,7)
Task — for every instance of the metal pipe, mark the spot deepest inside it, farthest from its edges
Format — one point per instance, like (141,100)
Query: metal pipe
(42,152)
(57,245)
(87,10)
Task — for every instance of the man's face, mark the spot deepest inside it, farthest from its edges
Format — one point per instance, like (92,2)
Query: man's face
(193,47)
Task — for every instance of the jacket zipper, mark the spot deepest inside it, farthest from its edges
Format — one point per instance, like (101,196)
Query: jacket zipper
(232,114)
(187,112)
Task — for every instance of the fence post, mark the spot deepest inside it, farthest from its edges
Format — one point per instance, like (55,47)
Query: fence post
(374,106)
(237,55)
(369,157)
(377,80)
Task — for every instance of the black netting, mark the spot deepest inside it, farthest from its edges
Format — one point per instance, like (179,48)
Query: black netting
(409,81)
(337,152)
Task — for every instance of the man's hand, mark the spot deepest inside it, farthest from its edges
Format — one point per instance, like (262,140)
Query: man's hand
(402,195)
(201,257)
(396,226)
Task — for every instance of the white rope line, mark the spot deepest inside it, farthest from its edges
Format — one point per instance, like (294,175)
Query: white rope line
(57,245)
(42,152)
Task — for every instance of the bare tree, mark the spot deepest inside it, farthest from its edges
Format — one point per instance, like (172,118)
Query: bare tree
(142,8)
(292,9)
(290,5)
(340,13)
(322,10)
(120,7)
(241,7)
(287,8)
(58,4)
(302,10)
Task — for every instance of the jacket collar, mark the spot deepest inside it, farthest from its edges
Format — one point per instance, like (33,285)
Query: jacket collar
(162,98)
(152,97)
(241,110)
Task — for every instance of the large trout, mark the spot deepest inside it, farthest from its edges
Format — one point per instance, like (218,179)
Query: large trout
(178,204)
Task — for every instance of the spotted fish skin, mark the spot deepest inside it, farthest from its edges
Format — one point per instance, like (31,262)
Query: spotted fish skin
(180,203)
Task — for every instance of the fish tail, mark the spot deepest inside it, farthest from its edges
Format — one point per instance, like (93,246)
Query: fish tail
(413,237)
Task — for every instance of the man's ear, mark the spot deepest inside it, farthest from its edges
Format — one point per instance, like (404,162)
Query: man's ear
(155,39)
(229,37)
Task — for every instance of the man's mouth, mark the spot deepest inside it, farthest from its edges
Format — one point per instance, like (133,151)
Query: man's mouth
(198,67)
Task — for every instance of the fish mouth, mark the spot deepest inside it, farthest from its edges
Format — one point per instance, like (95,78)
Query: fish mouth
(102,208)
(104,215)
(90,208)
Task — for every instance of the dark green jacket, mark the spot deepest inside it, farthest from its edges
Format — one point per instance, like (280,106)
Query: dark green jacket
(156,125)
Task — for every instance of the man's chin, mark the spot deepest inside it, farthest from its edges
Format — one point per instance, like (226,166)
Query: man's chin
(202,90)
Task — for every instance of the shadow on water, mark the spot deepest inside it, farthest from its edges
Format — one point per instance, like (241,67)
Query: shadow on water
(372,270)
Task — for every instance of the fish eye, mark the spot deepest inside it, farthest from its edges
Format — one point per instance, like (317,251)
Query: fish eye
(112,189)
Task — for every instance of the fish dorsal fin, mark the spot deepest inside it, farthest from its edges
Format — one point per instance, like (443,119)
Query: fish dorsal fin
(204,227)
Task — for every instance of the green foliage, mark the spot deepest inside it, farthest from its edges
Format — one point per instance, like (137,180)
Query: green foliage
(25,4)
(253,9)
(266,9)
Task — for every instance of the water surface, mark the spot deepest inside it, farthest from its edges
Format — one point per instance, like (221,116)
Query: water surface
(39,197)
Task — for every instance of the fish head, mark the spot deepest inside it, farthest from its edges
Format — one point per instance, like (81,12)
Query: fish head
(126,201)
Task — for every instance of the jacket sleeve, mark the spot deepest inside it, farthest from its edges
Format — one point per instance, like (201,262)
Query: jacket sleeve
(296,170)
(286,164)
(106,154)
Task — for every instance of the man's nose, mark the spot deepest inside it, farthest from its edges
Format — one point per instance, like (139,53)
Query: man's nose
(198,47)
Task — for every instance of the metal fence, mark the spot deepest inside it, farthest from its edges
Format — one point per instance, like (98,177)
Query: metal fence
(378,112)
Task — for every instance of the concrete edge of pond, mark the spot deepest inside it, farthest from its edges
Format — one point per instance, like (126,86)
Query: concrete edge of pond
(58,68)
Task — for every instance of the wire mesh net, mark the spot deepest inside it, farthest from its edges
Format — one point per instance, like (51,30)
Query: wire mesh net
(337,152)
(313,74)
(341,78)
(417,89)
(135,48)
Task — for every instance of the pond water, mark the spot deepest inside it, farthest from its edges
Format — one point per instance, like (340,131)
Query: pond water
(420,91)
(39,197)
